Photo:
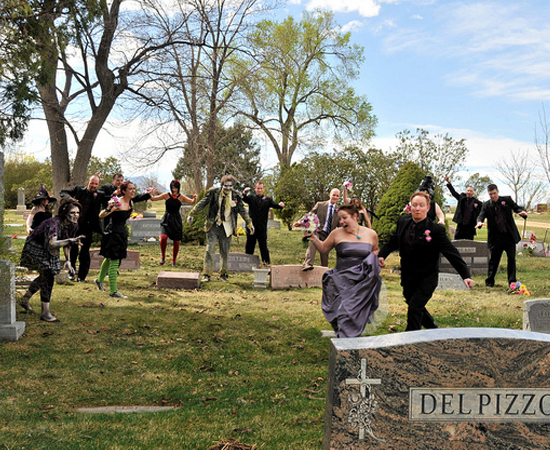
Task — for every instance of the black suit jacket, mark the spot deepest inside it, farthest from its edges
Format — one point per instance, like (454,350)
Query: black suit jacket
(91,206)
(258,209)
(461,207)
(488,212)
(420,258)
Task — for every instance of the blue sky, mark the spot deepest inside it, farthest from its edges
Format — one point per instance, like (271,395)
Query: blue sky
(478,70)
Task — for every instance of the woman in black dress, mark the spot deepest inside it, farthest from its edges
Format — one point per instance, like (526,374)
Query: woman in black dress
(41,253)
(115,238)
(41,209)
(172,225)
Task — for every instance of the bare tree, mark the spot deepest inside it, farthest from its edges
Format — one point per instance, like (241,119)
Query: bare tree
(542,143)
(519,175)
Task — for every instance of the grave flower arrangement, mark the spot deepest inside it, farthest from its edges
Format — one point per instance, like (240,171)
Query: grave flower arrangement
(518,288)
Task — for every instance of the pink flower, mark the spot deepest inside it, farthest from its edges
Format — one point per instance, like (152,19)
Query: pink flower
(475,205)
(427,234)
(428,238)
(148,189)
(503,203)
(407,208)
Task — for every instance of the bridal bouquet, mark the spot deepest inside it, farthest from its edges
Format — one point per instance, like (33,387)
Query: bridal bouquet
(348,185)
(114,202)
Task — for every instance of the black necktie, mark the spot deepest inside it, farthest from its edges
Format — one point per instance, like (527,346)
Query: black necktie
(329,220)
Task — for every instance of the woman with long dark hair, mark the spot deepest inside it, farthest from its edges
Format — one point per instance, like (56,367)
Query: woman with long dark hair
(171,224)
(41,253)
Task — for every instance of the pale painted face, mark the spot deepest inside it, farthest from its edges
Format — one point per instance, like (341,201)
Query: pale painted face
(334,196)
(347,221)
(469,192)
(73,215)
(93,183)
(493,195)
(259,188)
(419,208)
(228,185)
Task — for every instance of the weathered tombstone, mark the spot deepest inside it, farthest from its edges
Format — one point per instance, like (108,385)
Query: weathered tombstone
(238,262)
(275,224)
(131,262)
(526,246)
(536,315)
(454,388)
(474,253)
(178,280)
(10,329)
(144,229)
(149,214)
(450,281)
(541,208)
(292,276)
(21,208)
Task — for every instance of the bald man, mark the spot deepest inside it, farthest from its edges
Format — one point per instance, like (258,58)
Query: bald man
(90,198)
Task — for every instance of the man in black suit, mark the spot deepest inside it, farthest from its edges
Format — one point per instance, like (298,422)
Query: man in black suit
(420,241)
(467,209)
(503,234)
(258,209)
(327,212)
(90,198)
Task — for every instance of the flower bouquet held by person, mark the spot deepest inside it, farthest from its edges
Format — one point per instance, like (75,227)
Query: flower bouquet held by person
(309,224)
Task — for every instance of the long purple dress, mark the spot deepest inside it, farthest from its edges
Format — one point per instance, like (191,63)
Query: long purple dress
(351,289)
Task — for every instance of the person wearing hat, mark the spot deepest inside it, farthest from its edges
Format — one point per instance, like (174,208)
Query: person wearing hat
(41,209)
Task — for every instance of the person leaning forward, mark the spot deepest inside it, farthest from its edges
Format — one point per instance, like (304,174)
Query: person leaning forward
(224,203)
(420,241)
(468,208)
(327,212)
(502,232)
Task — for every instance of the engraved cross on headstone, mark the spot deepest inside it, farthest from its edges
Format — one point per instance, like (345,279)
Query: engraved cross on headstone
(365,384)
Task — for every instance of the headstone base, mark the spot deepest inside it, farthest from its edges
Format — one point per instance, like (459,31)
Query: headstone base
(11,332)
(178,280)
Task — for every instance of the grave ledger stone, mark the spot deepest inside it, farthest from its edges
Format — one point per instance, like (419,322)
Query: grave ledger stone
(474,253)
(454,388)
(10,329)
(536,315)
(178,280)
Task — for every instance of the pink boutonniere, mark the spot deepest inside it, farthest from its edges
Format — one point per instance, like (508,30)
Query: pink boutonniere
(95,194)
(427,234)
(263,197)
(475,205)
(503,203)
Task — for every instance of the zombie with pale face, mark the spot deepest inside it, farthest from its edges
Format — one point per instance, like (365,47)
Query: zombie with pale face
(468,208)
(224,204)
(41,253)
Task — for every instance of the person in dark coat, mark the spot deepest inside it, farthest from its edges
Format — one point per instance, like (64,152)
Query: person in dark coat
(420,241)
(502,232)
(468,208)
(90,198)
(258,209)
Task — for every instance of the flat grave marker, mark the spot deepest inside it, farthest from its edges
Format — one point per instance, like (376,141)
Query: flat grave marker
(292,276)
(178,280)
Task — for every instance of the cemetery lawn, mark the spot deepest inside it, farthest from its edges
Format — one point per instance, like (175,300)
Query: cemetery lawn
(237,362)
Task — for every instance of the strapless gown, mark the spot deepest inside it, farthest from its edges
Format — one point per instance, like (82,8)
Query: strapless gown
(351,290)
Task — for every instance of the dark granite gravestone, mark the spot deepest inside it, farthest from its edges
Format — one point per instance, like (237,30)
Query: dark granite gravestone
(289,276)
(178,280)
(144,229)
(474,253)
(238,262)
(536,315)
(454,388)
(131,262)
(10,329)
(451,281)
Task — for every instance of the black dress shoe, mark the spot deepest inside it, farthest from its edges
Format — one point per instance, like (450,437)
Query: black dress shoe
(80,280)
(306,268)
(489,284)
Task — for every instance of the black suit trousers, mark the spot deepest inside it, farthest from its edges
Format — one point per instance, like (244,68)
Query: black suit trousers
(502,243)
(417,292)
(261,238)
(83,254)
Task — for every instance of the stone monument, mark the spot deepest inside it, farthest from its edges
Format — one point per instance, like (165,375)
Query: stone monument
(536,315)
(454,388)
(292,276)
(238,262)
(474,253)
(21,208)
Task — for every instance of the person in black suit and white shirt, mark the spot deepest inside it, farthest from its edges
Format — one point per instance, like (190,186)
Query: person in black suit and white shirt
(420,241)
(503,234)
(327,212)
(467,209)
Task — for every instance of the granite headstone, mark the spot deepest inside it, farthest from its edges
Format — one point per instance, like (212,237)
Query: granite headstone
(178,280)
(454,388)
(451,281)
(292,276)
(10,328)
(144,229)
(536,315)
(238,262)
(474,253)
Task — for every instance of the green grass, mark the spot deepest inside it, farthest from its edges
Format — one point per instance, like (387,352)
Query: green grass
(239,363)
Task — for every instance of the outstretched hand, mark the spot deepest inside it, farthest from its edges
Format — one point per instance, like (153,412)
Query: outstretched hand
(469,283)
(479,225)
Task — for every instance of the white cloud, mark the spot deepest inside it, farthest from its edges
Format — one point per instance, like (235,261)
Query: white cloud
(417,17)
(366,8)
(354,25)
(503,47)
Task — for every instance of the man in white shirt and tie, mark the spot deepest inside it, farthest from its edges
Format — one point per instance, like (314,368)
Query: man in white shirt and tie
(328,221)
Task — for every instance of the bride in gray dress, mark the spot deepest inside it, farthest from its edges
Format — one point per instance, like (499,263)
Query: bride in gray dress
(350,290)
